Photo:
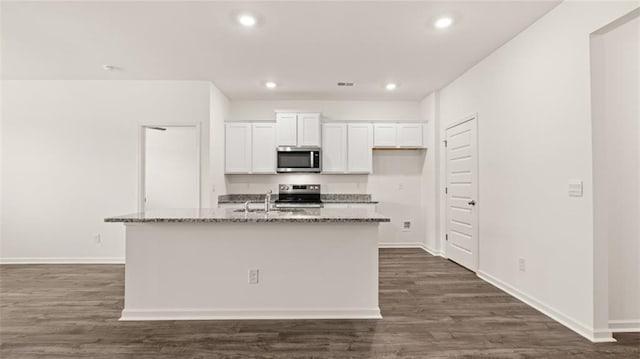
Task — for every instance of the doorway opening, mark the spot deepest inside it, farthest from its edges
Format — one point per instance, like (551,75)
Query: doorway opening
(169,167)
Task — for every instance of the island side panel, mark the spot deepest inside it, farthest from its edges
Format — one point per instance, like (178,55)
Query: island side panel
(200,271)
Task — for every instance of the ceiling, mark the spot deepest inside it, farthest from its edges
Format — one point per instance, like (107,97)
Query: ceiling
(306,47)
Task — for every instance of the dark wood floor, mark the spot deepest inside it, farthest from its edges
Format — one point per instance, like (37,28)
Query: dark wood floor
(432,309)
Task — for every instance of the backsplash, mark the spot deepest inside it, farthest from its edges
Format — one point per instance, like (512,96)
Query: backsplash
(329,183)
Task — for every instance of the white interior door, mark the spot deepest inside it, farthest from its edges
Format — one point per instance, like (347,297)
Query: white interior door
(462,193)
(171,167)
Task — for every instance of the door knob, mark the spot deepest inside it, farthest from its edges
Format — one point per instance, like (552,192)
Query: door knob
(472,203)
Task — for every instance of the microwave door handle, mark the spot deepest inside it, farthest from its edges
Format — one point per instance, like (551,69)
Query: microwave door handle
(311,156)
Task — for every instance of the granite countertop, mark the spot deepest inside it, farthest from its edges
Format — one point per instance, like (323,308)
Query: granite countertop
(230,215)
(326,198)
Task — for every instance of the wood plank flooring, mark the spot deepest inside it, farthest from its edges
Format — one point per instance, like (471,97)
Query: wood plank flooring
(432,308)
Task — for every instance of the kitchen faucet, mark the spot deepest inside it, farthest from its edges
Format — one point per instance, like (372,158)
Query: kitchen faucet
(267,201)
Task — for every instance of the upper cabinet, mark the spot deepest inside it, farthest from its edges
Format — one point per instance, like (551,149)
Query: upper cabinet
(298,129)
(263,144)
(385,135)
(346,148)
(334,148)
(359,154)
(237,152)
(250,148)
(398,135)
(410,135)
(287,129)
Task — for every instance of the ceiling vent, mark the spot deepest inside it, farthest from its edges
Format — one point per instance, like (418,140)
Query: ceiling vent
(345,84)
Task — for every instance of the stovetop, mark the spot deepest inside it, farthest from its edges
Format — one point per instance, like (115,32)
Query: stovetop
(299,194)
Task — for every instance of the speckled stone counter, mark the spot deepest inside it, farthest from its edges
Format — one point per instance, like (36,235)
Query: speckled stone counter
(229,215)
(326,198)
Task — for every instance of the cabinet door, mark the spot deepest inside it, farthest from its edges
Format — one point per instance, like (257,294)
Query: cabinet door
(410,135)
(385,135)
(334,148)
(309,129)
(359,152)
(287,129)
(237,148)
(263,154)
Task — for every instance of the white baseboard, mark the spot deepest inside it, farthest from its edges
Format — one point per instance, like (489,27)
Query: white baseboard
(433,251)
(625,326)
(62,260)
(596,336)
(422,246)
(401,245)
(248,314)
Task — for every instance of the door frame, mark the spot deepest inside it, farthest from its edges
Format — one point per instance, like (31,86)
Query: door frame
(142,156)
(472,117)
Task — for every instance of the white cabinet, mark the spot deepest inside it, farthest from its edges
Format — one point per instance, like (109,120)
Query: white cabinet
(385,135)
(346,148)
(298,129)
(396,135)
(237,148)
(263,152)
(410,135)
(287,129)
(334,148)
(309,129)
(359,146)
(250,148)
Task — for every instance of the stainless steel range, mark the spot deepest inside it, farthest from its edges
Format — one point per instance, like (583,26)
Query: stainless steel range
(298,196)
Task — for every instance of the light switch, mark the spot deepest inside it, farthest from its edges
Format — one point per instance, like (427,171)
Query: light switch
(575,188)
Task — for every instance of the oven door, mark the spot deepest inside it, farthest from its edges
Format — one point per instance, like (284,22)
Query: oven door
(295,159)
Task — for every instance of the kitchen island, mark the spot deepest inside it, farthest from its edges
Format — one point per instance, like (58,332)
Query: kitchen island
(227,264)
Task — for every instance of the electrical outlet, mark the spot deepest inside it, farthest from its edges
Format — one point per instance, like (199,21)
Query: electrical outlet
(406,226)
(575,188)
(522,264)
(253,276)
(97,239)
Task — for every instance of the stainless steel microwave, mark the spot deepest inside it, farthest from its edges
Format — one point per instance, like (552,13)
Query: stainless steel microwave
(298,159)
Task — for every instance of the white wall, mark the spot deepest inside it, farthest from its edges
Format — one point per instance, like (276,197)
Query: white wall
(331,110)
(218,114)
(616,150)
(70,160)
(430,172)
(533,100)
(396,181)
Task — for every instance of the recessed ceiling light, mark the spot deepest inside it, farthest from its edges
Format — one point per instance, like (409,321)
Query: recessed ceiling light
(391,86)
(247,20)
(443,22)
(270,85)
